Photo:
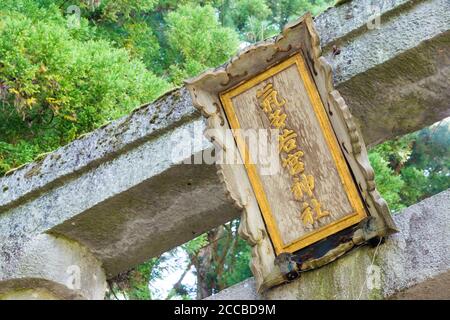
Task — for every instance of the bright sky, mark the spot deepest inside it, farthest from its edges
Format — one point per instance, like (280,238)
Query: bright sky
(173,269)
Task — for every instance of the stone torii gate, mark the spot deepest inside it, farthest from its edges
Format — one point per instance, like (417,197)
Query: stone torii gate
(114,198)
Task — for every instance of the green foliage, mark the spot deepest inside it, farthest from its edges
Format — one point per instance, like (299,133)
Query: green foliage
(54,87)
(236,265)
(284,11)
(134,284)
(413,167)
(140,278)
(414,187)
(194,246)
(230,259)
(124,24)
(64,74)
(246,9)
(13,155)
(116,10)
(259,19)
(388,184)
(431,156)
(197,40)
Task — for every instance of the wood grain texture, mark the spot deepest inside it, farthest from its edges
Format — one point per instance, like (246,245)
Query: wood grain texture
(297,37)
(322,157)
(317,158)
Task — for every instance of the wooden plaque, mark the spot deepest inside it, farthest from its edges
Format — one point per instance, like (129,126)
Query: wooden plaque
(294,218)
(323,202)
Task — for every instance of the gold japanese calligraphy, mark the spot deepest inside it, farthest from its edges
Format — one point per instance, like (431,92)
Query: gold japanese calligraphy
(302,178)
(303,186)
(313,196)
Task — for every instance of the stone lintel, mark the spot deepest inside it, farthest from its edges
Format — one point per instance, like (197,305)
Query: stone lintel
(118,191)
(414,263)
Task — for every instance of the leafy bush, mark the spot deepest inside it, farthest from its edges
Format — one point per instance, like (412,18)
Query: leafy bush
(54,87)
(388,184)
(197,41)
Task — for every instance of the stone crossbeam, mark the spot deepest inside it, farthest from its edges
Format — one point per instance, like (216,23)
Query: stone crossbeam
(118,192)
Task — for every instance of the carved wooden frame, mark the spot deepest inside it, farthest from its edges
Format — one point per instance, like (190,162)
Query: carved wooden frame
(300,36)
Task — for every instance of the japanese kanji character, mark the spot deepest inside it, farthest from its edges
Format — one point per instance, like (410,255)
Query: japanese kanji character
(269,98)
(287,141)
(293,162)
(304,185)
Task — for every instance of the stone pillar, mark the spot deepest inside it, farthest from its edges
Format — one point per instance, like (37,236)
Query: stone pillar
(414,263)
(50,267)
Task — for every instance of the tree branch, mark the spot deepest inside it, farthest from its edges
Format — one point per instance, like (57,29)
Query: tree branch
(177,285)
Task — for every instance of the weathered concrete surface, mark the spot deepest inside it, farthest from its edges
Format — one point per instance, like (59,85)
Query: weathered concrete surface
(31,294)
(436,288)
(128,203)
(394,77)
(118,192)
(414,263)
(145,123)
(245,290)
(152,217)
(48,267)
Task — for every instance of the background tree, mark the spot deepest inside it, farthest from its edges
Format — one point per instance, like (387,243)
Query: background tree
(197,41)
(67,67)
(57,83)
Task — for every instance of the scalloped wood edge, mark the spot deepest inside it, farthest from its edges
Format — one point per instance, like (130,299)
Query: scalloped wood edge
(205,89)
